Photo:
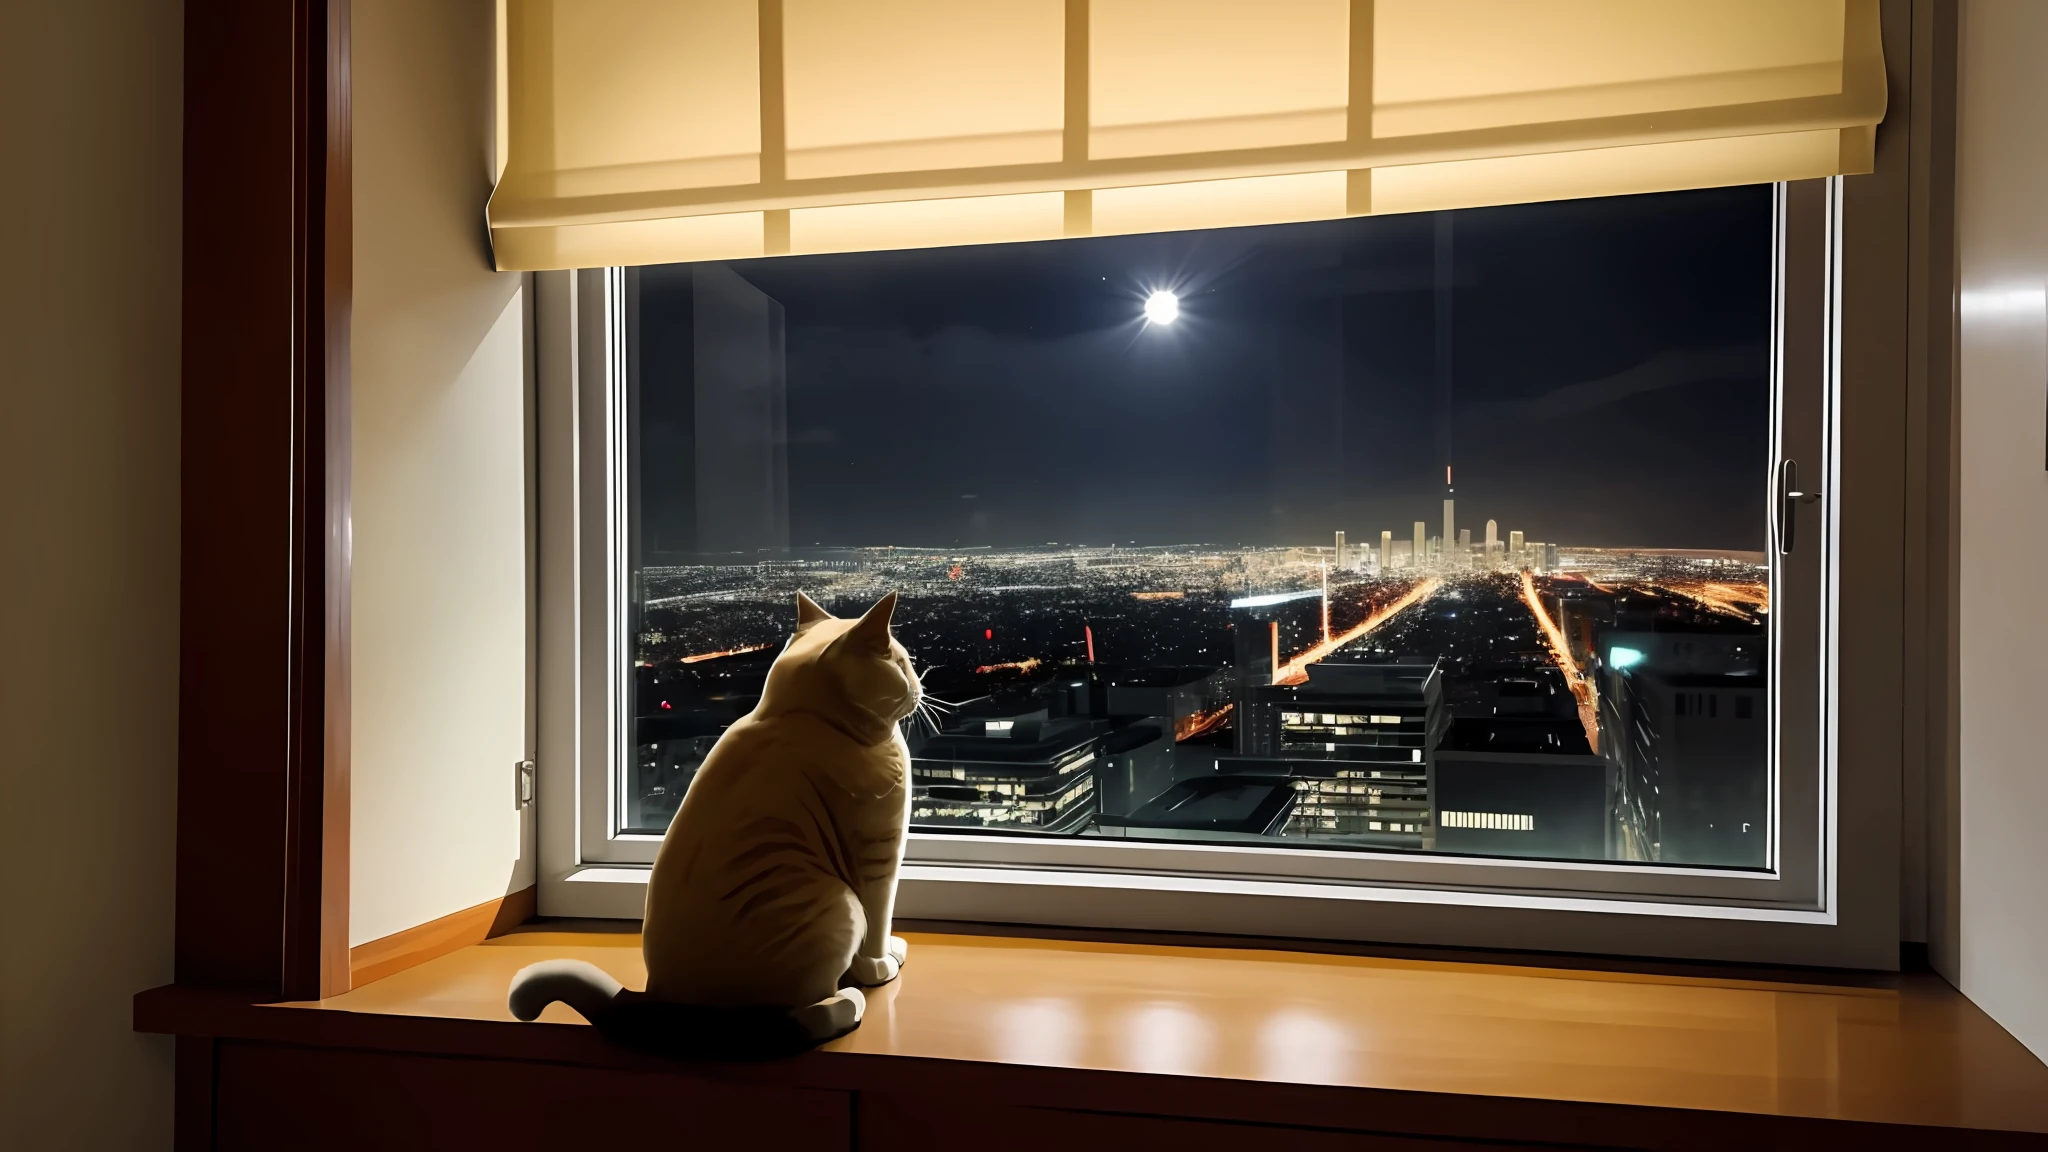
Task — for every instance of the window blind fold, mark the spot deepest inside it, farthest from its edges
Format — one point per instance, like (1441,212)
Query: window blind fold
(1190,76)
(611,96)
(916,85)
(1220,203)
(928,223)
(641,131)
(1557,61)
(1607,171)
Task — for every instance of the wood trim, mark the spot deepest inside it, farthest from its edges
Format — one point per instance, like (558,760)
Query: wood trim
(436,938)
(194,1076)
(1912,1064)
(317,776)
(1931,655)
(263,600)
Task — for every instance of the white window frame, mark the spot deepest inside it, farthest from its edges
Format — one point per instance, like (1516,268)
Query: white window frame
(1793,911)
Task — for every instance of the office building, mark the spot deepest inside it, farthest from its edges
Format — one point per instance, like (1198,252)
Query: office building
(1337,561)
(1359,743)
(1547,806)
(1451,522)
(1515,550)
(1002,766)
(1421,552)
(1688,737)
(1386,551)
(1215,807)
(1190,700)
(1133,766)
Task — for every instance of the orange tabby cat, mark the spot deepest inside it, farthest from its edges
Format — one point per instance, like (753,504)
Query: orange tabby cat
(772,894)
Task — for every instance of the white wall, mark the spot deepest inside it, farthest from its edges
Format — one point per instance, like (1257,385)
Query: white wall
(90,101)
(2002,211)
(440,576)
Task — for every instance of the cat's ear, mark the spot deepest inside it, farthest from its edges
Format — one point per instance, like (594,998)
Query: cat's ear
(873,627)
(808,612)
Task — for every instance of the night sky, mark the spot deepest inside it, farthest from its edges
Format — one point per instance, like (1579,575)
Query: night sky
(1608,381)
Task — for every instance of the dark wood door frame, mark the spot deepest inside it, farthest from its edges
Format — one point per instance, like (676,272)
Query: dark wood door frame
(263,734)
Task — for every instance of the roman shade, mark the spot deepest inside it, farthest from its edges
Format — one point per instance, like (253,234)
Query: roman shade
(650,131)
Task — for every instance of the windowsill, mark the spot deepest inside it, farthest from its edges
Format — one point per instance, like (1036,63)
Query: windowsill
(1423,1046)
(627,885)
(1402,912)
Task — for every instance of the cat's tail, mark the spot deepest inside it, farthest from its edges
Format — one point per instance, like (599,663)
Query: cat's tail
(581,985)
(635,1019)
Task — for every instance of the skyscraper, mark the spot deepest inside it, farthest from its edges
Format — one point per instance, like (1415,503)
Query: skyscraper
(1492,543)
(1386,551)
(1450,524)
(1421,553)
(1465,543)
(1337,561)
(1358,741)
(1515,550)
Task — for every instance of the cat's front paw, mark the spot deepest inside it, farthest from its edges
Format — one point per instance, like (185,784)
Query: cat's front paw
(868,971)
(898,950)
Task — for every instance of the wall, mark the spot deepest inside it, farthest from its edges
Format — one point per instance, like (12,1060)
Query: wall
(2002,188)
(90,99)
(440,509)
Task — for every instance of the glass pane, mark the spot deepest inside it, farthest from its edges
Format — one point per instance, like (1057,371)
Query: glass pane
(1439,532)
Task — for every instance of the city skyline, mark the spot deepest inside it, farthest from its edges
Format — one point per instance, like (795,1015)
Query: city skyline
(1539,666)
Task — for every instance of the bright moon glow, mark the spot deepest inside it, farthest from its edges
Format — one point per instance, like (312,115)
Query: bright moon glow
(1162,307)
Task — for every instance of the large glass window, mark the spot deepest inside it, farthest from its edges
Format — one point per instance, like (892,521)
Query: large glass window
(1432,533)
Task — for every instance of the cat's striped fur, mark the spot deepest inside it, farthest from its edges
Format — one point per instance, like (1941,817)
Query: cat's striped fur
(773,891)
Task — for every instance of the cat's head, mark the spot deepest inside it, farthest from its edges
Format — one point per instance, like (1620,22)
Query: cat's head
(850,671)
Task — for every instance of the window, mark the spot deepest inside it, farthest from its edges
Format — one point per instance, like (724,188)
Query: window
(1115,481)
(1402,553)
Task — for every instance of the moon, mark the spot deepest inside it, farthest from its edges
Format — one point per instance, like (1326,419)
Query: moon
(1162,307)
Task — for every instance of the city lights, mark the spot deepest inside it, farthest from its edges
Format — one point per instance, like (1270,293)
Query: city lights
(1307,692)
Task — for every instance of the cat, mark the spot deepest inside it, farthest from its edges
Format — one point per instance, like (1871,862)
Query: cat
(772,895)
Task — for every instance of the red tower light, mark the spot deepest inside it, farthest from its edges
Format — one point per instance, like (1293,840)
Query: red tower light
(988,633)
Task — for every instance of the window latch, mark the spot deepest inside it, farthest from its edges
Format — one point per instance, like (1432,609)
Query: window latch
(1789,500)
(522,784)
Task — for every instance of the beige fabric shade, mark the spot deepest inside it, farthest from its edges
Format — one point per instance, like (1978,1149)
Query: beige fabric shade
(650,131)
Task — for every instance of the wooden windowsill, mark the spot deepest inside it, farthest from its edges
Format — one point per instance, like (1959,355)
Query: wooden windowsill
(1417,1046)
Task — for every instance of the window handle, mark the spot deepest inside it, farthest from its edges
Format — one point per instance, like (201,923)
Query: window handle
(1789,500)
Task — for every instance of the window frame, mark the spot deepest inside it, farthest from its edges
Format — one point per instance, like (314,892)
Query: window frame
(1792,911)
